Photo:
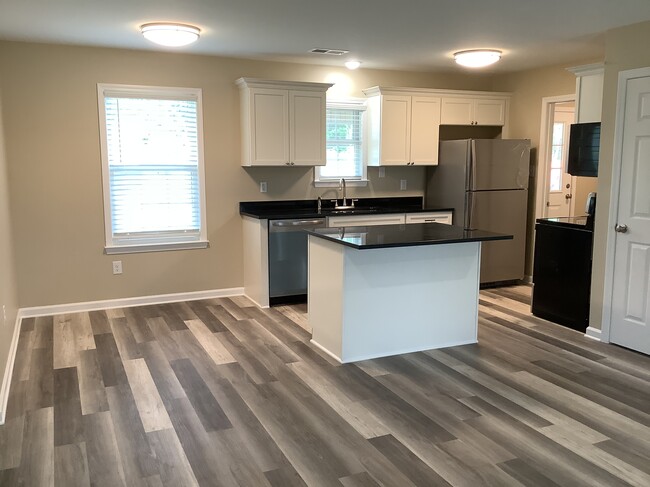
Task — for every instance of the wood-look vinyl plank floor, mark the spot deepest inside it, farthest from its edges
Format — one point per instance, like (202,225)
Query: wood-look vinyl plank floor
(219,392)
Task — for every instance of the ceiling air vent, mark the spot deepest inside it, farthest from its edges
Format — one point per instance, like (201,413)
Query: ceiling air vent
(331,52)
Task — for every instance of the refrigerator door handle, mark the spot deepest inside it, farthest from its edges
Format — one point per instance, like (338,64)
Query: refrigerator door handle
(471,174)
(470,202)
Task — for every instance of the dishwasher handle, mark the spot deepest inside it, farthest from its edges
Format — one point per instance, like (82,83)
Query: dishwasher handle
(298,223)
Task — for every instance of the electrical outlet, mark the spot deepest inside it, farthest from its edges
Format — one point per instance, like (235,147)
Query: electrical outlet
(117,267)
(382,172)
(263,187)
(402,184)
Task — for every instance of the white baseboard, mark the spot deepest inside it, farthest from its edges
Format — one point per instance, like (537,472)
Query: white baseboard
(9,369)
(58,309)
(256,303)
(593,333)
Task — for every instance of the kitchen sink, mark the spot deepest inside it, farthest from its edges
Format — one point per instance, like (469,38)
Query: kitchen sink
(349,211)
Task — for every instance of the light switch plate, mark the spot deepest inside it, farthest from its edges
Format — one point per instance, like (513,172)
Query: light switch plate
(382,172)
(263,187)
(402,184)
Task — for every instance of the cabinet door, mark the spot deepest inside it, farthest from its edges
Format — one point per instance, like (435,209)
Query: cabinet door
(425,125)
(457,111)
(365,220)
(307,111)
(433,217)
(490,112)
(395,130)
(269,127)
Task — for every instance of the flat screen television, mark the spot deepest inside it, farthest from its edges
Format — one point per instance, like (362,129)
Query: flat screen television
(584,149)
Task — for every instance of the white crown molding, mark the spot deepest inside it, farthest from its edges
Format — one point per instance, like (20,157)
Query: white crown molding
(289,85)
(385,90)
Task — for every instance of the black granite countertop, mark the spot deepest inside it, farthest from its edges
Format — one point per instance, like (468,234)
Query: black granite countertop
(384,236)
(274,210)
(577,222)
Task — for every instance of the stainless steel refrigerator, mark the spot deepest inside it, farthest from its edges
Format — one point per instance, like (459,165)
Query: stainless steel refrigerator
(485,181)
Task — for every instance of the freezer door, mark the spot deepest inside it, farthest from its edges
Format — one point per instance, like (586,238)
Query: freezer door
(501,212)
(499,164)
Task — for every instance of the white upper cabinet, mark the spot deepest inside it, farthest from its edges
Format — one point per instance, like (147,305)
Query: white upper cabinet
(402,129)
(589,92)
(473,111)
(282,123)
(404,123)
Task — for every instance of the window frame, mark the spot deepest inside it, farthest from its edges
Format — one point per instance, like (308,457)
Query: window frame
(349,104)
(158,241)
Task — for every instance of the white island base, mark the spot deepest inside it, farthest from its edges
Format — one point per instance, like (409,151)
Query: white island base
(373,303)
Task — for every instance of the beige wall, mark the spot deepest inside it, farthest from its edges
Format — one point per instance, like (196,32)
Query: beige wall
(528,88)
(51,125)
(625,48)
(8,302)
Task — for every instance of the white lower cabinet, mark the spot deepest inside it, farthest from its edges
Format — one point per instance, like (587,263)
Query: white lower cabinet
(433,217)
(365,220)
(390,219)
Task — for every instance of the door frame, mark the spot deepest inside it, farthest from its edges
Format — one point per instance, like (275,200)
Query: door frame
(615,190)
(548,109)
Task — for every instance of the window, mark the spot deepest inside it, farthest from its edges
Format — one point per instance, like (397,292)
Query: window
(344,132)
(557,156)
(152,166)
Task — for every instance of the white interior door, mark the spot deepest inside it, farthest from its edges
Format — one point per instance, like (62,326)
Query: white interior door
(560,183)
(630,318)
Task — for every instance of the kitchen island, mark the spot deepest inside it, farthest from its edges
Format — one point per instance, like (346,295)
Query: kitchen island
(392,289)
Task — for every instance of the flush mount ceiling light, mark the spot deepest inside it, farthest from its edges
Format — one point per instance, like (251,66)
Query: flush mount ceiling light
(352,64)
(170,35)
(477,58)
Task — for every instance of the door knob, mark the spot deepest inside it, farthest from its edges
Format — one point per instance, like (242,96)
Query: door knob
(620,228)
(568,196)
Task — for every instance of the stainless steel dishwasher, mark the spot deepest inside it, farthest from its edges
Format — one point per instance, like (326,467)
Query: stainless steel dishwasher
(288,259)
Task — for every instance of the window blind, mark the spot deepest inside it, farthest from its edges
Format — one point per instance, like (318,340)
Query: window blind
(152,145)
(344,144)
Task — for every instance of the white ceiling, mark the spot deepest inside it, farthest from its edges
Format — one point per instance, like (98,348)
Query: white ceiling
(411,34)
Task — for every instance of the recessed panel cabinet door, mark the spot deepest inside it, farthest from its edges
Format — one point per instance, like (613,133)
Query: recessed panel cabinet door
(307,128)
(490,112)
(425,123)
(270,127)
(457,111)
(395,130)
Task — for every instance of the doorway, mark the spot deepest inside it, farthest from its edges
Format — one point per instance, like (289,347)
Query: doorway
(555,187)
(559,183)
(626,310)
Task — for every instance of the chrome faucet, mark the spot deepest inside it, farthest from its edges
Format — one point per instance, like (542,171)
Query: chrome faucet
(320,204)
(343,188)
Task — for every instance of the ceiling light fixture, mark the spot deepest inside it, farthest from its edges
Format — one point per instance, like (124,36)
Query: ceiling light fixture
(170,35)
(352,64)
(477,58)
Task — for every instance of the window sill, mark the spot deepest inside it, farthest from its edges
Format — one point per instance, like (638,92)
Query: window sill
(334,183)
(155,247)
